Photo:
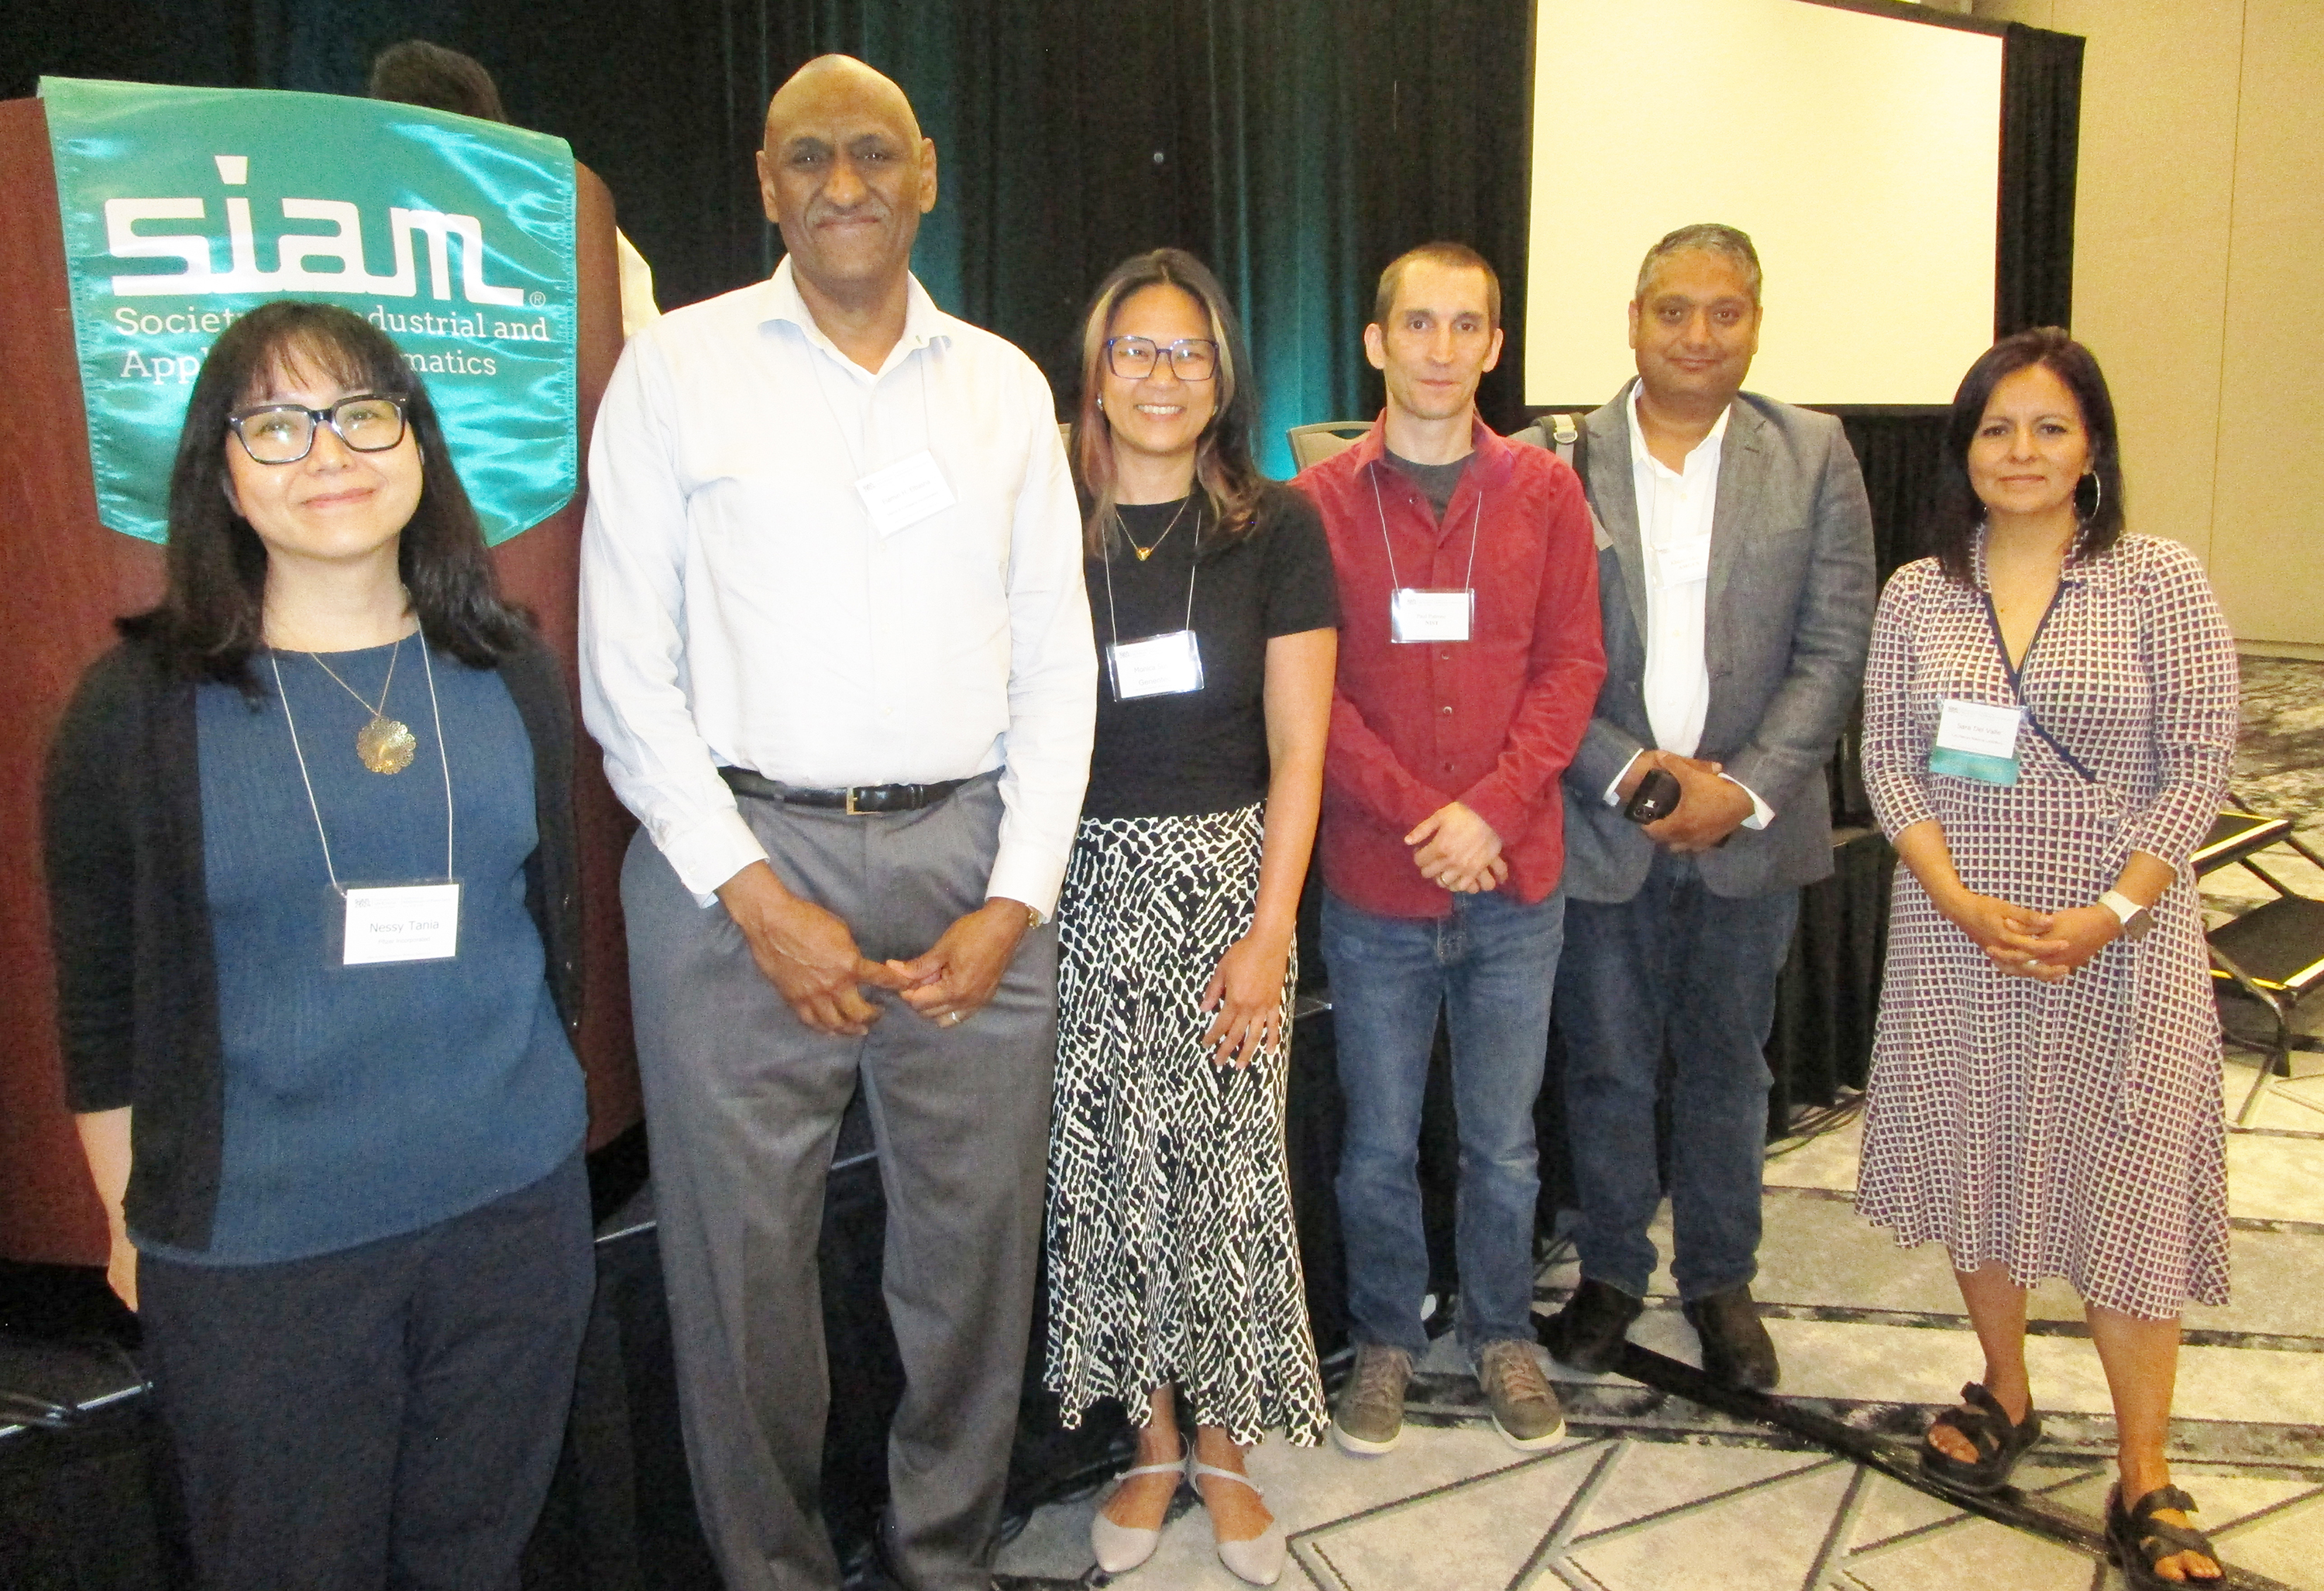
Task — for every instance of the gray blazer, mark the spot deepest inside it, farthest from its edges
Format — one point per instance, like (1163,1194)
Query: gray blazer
(1788,616)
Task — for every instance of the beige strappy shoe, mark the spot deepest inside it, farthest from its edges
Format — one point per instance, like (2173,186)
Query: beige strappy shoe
(1122,1548)
(1259,1559)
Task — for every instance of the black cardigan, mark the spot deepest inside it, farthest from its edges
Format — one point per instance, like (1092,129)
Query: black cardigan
(129,908)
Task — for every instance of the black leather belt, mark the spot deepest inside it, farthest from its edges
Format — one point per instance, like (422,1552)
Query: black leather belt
(854,799)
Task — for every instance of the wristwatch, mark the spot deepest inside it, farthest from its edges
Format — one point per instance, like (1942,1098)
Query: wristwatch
(2135,918)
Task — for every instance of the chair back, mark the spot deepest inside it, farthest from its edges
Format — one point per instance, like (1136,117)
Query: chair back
(1312,445)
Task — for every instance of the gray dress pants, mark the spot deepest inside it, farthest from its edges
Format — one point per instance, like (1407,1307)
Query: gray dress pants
(744,1103)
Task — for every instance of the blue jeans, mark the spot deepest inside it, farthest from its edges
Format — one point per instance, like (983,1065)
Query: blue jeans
(1673,966)
(1490,965)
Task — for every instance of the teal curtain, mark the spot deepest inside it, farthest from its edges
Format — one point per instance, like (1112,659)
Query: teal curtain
(1295,145)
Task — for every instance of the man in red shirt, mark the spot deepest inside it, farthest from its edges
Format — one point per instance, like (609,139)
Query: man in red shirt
(1469,662)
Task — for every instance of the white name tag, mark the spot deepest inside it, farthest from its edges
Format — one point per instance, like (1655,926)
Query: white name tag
(1683,565)
(1417,615)
(402,922)
(1977,741)
(1159,666)
(905,492)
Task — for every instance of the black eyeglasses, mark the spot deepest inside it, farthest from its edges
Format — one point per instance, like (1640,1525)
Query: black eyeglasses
(1192,359)
(284,433)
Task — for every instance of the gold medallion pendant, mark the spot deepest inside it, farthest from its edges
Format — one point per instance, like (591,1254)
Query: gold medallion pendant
(386,745)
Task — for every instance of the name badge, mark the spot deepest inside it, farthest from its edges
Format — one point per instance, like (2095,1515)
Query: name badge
(1417,615)
(905,492)
(402,922)
(1683,565)
(1977,741)
(1159,666)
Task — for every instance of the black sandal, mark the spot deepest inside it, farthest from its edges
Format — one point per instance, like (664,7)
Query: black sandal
(2139,1540)
(2000,1443)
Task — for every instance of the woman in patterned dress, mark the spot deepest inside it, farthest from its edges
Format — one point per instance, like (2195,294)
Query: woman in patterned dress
(2049,709)
(1172,1262)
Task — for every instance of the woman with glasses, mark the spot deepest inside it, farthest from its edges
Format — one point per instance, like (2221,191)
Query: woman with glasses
(310,859)
(2049,715)
(1173,1263)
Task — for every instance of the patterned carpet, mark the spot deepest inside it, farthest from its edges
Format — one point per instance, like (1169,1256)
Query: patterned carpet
(2280,756)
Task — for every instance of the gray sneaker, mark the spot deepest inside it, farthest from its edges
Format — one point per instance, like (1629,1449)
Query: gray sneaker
(1369,1418)
(1525,1410)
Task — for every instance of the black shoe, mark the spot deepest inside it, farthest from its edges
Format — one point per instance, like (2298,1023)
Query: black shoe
(1736,1347)
(1588,1332)
(1998,1442)
(2137,1541)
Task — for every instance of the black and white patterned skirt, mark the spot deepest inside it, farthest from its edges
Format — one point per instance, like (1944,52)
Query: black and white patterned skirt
(1173,1257)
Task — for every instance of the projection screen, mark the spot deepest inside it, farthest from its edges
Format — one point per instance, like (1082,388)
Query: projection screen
(1861,151)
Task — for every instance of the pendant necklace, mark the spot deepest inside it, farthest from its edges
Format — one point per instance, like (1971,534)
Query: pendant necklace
(386,745)
(1145,553)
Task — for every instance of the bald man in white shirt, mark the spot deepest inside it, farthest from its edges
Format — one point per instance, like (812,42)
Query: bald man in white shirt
(836,648)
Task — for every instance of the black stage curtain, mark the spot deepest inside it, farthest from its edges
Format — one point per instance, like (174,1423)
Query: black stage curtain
(1296,145)
(2040,135)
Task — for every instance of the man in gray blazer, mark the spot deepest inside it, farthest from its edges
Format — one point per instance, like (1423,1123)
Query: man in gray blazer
(1735,580)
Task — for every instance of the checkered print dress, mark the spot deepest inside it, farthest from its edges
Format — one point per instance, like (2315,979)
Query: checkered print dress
(1173,1256)
(2070,1129)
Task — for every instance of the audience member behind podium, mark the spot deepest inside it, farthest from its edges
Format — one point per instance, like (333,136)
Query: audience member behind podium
(346,1195)
(2048,721)
(1173,1257)
(416,72)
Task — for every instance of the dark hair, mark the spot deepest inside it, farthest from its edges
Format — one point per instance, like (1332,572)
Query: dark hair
(1711,237)
(1224,468)
(416,72)
(1956,513)
(1454,255)
(211,618)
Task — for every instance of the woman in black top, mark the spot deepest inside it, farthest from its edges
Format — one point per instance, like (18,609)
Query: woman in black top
(310,859)
(1172,1258)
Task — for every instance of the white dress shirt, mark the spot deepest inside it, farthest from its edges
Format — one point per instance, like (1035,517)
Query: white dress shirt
(1676,510)
(740,608)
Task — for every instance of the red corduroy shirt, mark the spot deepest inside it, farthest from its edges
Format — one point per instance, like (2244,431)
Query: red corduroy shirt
(1491,722)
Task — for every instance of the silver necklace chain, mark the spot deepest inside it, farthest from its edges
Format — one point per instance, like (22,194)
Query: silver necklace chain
(443,756)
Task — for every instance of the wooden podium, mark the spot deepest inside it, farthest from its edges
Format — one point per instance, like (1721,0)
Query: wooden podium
(65,577)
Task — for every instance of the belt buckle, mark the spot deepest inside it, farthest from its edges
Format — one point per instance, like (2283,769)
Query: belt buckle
(852,811)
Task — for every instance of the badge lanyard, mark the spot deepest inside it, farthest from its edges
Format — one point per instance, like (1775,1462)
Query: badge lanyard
(2017,682)
(903,494)
(397,922)
(1168,664)
(1416,613)
(1979,741)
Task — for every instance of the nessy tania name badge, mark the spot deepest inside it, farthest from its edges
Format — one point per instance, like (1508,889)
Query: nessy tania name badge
(185,209)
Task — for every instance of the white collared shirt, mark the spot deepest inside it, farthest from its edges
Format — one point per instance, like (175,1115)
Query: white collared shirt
(738,608)
(1676,510)
(1674,513)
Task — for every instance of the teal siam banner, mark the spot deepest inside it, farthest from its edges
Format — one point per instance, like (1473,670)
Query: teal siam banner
(184,208)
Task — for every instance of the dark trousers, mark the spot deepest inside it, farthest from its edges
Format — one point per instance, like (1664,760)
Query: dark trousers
(1675,966)
(387,1416)
(744,1100)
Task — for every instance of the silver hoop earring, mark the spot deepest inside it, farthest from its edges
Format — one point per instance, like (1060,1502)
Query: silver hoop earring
(2097,496)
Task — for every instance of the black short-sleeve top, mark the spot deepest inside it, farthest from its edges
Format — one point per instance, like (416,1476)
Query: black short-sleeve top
(1202,751)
